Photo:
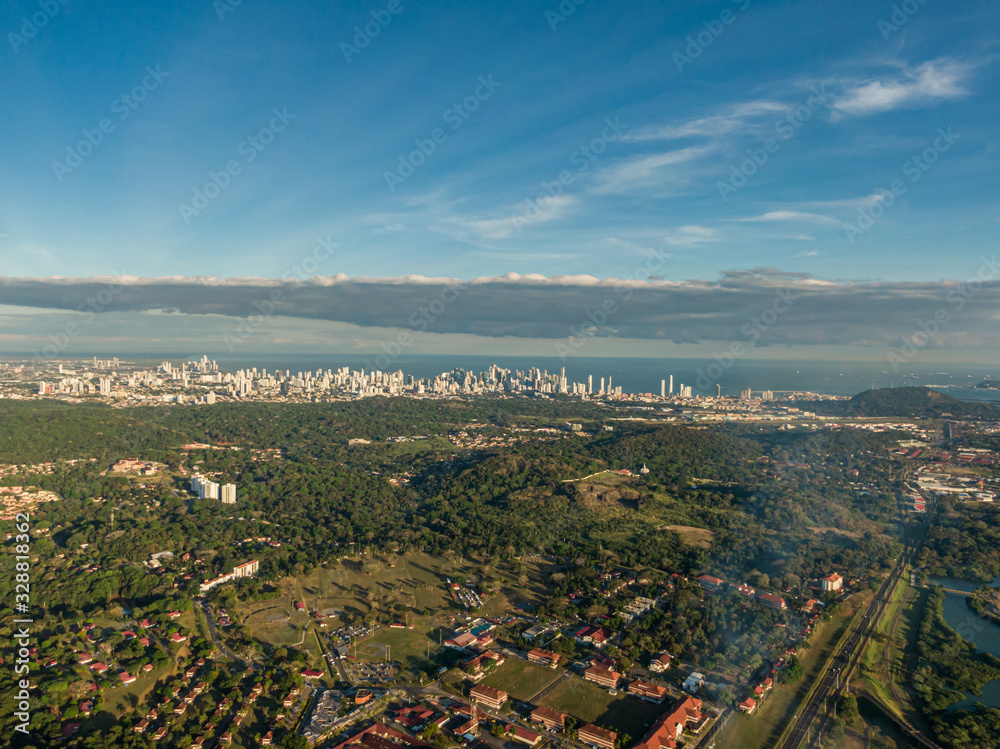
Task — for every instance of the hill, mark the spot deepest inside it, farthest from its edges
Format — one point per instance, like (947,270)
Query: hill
(917,402)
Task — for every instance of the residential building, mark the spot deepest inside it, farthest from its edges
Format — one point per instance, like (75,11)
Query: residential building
(748,705)
(648,691)
(228,494)
(693,682)
(596,736)
(663,734)
(524,736)
(551,719)
(832,582)
(661,663)
(769,599)
(710,583)
(484,695)
(603,676)
(543,657)
(203,487)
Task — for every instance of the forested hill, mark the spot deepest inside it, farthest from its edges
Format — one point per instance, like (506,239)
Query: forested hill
(907,402)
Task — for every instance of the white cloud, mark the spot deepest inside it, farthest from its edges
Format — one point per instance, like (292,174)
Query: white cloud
(815,218)
(650,170)
(809,253)
(736,119)
(926,85)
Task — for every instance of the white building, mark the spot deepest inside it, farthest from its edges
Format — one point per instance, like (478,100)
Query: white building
(229,494)
(204,488)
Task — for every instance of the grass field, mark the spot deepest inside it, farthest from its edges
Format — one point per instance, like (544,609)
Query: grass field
(413,585)
(596,705)
(521,679)
(873,660)
(700,537)
(408,647)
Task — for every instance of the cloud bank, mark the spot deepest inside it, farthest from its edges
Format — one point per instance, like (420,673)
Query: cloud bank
(785,308)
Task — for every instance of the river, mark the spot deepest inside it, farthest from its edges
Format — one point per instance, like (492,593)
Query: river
(985,635)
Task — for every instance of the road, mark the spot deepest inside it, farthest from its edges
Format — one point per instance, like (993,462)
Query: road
(214,635)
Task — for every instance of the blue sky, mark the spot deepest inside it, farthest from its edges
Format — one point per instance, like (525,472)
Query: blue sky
(477,206)
(723,153)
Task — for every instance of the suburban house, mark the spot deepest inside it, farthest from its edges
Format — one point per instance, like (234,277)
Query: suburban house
(596,636)
(693,682)
(660,663)
(748,705)
(596,736)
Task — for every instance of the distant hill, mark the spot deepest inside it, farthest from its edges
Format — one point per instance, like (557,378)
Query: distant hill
(989,385)
(908,402)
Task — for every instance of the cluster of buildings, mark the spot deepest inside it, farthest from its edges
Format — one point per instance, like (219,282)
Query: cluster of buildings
(204,488)
(750,704)
(200,381)
(133,465)
(708,582)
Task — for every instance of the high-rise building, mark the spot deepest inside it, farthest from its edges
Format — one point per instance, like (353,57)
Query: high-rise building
(228,494)
(671,384)
(663,388)
(204,488)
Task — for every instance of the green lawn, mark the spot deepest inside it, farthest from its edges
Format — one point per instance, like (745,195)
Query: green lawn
(409,647)
(593,704)
(521,679)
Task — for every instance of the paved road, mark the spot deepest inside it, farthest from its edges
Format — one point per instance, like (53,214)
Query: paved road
(214,635)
